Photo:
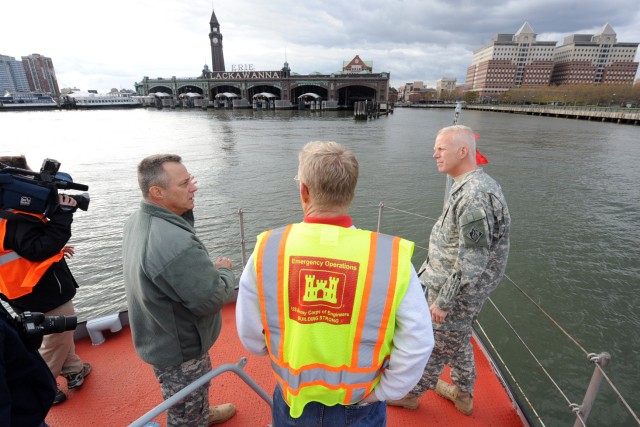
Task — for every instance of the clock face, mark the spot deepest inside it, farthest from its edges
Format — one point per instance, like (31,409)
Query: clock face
(215,40)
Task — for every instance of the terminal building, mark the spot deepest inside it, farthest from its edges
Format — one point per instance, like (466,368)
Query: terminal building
(520,60)
(245,87)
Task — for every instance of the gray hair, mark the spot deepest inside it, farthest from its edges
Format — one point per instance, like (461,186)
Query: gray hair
(330,172)
(15,161)
(461,136)
(151,171)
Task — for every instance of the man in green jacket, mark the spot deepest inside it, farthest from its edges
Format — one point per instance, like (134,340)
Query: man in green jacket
(174,291)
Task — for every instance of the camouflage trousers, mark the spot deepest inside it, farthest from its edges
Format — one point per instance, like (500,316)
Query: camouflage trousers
(193,410)
(451,348)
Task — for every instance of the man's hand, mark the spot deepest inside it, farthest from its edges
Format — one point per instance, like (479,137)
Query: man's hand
(437,315)
(68,251)
(67,203)
(369,398)
(223,262)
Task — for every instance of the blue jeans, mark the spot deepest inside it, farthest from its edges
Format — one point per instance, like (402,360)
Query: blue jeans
(318,415)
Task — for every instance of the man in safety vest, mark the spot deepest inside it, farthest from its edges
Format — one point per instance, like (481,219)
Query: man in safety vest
(339,310)
(36,278)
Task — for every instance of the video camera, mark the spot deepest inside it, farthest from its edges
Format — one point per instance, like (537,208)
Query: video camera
(37,192)
(32,326)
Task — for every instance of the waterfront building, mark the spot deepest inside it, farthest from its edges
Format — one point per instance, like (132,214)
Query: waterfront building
(244,86)
(41,74)
(417,92)
(12,76)
(519,60)
(445,88)
(393,95)
(511,60)
(595,58)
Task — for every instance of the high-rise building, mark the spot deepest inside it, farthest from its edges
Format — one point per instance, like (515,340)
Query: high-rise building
(12,76)
(511,60)
(215,36)
(40,74)
(595,58)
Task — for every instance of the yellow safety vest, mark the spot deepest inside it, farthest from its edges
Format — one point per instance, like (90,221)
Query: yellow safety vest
(18,275)
(328,298)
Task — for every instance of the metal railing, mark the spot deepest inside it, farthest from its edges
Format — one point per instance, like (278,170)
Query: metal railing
(237,369)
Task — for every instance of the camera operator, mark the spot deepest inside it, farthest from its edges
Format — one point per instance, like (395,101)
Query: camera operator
(27,388)
(40,245)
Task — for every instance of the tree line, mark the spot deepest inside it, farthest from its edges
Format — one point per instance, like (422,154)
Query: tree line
(609,95)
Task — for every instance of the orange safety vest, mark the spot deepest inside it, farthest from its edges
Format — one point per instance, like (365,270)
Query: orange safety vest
(18,275)
(328,298)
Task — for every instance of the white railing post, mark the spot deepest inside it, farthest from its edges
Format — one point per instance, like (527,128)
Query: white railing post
(582,411)
(242,242)
(380,208)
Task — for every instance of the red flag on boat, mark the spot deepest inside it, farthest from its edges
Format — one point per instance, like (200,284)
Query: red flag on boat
(480,159)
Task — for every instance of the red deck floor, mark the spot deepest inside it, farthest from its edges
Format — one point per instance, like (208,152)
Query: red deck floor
(122,388)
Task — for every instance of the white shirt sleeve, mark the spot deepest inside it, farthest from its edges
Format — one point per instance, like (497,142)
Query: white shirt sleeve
(412,344)
(248,318)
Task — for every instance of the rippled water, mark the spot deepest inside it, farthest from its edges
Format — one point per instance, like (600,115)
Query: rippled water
(572,187)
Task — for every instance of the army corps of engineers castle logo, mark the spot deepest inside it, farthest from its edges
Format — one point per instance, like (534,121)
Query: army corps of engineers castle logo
(322,289)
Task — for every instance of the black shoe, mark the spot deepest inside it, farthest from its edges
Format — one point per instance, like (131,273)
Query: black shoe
(77,379)
(60,397)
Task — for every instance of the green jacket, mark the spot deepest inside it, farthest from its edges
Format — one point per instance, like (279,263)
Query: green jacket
(174,293)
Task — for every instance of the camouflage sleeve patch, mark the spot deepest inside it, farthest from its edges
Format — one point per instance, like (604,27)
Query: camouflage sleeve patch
(474,229)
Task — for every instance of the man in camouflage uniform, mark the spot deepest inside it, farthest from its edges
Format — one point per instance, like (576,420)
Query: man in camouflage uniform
(468,251)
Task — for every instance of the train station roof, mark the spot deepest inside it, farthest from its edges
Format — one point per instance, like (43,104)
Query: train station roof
(309,94)
(226,95)
(264,95)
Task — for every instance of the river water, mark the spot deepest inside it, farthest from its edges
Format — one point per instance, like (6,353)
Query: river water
(572,187)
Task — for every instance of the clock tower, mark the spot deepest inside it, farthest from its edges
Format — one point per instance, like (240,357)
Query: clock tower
(217,56)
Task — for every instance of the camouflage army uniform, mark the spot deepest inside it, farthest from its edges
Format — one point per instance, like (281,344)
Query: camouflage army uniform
(193,410)
(468,251)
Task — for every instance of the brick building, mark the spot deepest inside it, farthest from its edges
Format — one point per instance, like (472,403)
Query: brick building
(595,58)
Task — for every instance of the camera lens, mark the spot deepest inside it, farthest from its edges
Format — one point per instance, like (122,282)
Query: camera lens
(56,324)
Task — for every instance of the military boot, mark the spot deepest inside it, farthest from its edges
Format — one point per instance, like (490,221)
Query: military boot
(406,402)
(463,400)
(221,413)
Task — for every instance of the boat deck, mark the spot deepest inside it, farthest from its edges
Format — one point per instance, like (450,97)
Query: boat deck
(122,388)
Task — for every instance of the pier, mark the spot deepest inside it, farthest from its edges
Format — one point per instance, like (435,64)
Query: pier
(629,116)
(367,110)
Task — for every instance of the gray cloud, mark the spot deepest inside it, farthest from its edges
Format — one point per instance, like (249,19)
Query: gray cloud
(115,44)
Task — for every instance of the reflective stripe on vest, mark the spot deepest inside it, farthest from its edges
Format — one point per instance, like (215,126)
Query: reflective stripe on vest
(368,357)
(8,257)
(18,275)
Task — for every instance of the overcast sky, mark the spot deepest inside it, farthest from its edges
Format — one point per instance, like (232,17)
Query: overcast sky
(115,43)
